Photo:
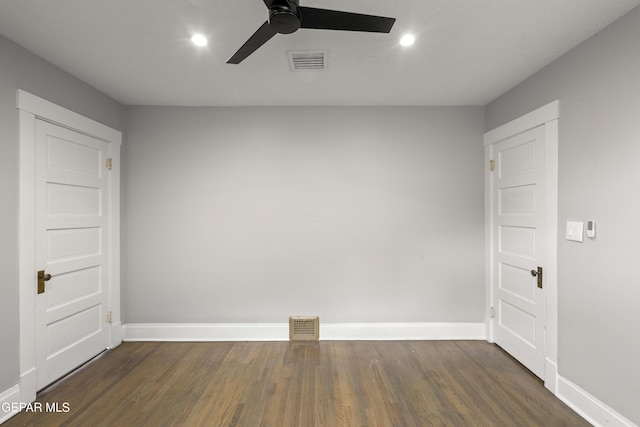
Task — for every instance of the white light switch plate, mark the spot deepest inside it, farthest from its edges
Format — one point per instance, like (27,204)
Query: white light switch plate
(575,231)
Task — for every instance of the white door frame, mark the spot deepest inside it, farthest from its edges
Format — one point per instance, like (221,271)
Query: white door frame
(31,108)
(548,116)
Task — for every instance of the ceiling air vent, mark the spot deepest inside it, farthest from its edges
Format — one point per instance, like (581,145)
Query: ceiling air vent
(307,60)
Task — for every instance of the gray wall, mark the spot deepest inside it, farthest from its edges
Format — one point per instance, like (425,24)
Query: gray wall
(254,214)
(20,69)
(598,85)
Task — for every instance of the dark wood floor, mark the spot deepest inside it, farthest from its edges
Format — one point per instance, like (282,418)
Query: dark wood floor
(281,384)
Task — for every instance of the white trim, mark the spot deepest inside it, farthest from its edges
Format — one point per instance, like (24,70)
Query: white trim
(31,108)
(403,331)
(205,332)
(8,398)
(548,116)
(544,114)
(589,407)
(114,238)
(115,334)
(551,375)
(551,238)
(27,263)
(488,245)
(280,331)
(61,116)
(28,385)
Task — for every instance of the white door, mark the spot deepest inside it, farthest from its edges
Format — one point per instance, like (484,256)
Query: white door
(518,210)
(72,246)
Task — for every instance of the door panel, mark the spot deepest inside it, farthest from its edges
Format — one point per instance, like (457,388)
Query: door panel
(516,281)
(518,322)
(518,235)
(517,241)
(72,245)
(519,200)
(64,199)
(73,286)
(517,159)
(66,154)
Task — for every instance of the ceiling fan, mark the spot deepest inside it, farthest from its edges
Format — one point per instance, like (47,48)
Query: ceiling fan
(287,16)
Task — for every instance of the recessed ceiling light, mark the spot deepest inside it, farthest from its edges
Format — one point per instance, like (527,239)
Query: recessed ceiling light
(199,40)
(407,40)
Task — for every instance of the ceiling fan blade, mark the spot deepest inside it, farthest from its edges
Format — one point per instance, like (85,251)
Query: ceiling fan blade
(323,19)
(260,37)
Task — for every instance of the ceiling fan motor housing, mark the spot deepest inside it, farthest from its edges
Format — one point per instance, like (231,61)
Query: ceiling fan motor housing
(284,16)
(287,16)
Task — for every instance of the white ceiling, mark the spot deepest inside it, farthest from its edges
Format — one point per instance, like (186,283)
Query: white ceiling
(468,52)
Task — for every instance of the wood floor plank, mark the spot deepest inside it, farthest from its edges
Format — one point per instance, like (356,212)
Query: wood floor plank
(327,383)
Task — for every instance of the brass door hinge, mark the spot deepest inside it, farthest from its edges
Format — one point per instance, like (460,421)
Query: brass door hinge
(109,164)
(492,165)
(109,317)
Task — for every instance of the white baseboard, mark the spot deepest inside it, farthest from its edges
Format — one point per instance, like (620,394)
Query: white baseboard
(8,399)
(205,332)
(28,386)
(551,375)
(115,337)
(402,331)
(22,393)
(280,331)
(589,407)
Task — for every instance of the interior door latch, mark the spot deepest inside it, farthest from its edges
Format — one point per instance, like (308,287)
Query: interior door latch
(42,277)
(538,273)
